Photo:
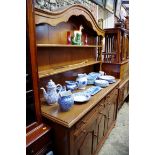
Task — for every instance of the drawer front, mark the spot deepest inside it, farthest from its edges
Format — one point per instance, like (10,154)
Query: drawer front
(123,93)
(85,123)
(40,145)
(86,118)
(113,93)
(126,90)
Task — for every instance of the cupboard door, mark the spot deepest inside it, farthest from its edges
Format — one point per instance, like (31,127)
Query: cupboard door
(86,139)
(112,110)
(102,123)
(121,97)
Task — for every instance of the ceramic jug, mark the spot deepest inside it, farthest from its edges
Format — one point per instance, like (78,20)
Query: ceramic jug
(51,95)
(82,81)
(65,100)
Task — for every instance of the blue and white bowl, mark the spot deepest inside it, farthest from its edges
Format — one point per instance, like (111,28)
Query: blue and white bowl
(101,83)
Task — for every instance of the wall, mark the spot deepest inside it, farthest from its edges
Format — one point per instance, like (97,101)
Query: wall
(108,18)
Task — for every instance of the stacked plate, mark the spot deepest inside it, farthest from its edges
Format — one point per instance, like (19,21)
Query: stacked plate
(109,78)
(101,83)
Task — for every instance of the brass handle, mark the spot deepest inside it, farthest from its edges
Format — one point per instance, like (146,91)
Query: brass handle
(84,122)
(100,112)
(84,131)
(108,96)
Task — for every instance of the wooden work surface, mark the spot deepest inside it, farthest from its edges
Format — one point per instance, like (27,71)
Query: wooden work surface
(69,118)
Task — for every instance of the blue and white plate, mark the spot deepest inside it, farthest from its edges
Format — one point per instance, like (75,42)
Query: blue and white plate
(81,97)
(93,90)
(107,77)
(101,83)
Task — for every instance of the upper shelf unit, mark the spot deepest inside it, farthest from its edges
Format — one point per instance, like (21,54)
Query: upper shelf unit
(54,54)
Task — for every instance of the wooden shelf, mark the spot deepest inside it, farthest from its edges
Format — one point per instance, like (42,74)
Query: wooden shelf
(65,45)
(62,69)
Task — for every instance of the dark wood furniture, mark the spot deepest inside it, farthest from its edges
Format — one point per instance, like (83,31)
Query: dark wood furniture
(83,129)
(115,58)
(38,135)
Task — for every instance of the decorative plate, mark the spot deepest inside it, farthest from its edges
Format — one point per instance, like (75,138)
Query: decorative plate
(93,90)
(81,97)
(101,83)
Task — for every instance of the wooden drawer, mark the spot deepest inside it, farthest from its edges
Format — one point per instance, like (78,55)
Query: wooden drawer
(85,119)
(109,97)
(123,93)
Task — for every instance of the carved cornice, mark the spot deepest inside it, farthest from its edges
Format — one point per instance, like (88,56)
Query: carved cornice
(59,5)
(54,18)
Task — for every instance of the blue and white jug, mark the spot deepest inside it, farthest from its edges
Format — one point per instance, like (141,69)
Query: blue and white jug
(82,81)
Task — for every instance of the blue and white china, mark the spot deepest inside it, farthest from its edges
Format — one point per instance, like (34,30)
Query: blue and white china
(71,85)
(93,90)
(51,95)
(95,75)
(81,97)
(82,81)
(107,77)
(65,100)
(112,81)
(90,79)
(102,72)
(101,83)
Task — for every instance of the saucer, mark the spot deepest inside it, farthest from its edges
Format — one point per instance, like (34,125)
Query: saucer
(81,97)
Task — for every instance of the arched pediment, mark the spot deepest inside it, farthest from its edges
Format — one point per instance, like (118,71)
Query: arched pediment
(54,18)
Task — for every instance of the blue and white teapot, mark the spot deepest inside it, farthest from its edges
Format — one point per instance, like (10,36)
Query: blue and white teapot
(51,95)
(82,81)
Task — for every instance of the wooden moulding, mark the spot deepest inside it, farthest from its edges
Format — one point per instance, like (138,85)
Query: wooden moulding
(54,18)
(69,118)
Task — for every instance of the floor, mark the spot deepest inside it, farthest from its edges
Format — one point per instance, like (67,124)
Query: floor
(118,140)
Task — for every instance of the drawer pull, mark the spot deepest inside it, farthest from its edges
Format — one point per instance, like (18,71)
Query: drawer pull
(84,122)
(84,131)
(100,112)
(102,104)
(109,117)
